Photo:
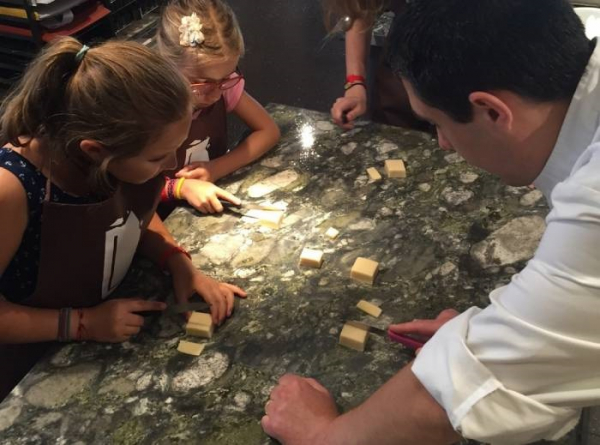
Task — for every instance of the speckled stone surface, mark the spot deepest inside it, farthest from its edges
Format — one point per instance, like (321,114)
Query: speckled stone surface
(444,237)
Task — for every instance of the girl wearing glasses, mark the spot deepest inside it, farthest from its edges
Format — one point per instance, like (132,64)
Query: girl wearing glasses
(204,40)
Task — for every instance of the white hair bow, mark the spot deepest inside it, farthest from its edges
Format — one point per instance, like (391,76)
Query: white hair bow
(190,31)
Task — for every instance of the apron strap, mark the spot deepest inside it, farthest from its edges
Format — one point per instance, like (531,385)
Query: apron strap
(48,189)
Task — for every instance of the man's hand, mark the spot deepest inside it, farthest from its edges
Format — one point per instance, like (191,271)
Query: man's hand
(298,411)
(424,329)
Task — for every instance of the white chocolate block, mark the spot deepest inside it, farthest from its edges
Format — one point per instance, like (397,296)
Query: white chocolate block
(187,347)
(332,233)
(267,218)
(199,330)
(394,168)
(353,337)
(200,325)
(200,318)
(311,258)
(364,270)
(374,174)
(369,308)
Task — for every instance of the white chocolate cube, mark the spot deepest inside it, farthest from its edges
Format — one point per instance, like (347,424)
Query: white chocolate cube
(190,348)
(332,233)
(369,308)
(200,318)
(353,337)
(374,174)
(268,218)
(200,325)
(394,168)
(199,330)
(364,270)
(311,258)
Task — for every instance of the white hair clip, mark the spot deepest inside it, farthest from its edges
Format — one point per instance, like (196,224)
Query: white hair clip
(190,31)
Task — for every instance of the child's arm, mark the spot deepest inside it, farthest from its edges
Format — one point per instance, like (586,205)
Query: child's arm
(111,321)
(265,134)
(18,324)
(158,245)
(354,101)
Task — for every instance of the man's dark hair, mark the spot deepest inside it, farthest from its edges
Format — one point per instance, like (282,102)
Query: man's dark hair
(447,49)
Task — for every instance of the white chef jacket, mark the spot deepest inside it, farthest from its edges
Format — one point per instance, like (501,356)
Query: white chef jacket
(522,369)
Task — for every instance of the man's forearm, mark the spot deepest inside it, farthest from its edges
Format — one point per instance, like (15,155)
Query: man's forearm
(401,412)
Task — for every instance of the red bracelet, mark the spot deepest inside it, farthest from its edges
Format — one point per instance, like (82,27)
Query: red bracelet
(80,326)
(164,197)
(353,78)
(162,263)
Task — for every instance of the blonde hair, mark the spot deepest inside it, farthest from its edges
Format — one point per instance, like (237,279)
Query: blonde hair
(119,94)
(367,10)
(222,34)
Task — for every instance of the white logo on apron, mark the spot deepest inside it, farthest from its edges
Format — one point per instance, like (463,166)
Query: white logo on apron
(197,151)
(121,243)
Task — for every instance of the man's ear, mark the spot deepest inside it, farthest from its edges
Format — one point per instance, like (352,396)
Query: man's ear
(492,108)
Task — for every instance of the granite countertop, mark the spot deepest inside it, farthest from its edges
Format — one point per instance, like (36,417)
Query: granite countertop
(444,237)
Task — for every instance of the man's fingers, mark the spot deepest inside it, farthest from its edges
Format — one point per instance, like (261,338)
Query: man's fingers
(265,422)
(425,328)
(447,314)
(316,385)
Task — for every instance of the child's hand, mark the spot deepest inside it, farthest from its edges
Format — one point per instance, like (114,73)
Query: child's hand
(116,321)
(220,296)
(197,170)
(346,109)
(204,196)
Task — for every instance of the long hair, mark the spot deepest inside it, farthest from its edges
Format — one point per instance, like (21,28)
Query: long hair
(367,10)
(222,34)
(119,94)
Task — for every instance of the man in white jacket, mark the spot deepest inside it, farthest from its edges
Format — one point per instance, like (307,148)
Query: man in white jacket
(514,87)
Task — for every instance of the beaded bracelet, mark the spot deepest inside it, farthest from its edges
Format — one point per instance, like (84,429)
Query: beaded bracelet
(64,325)
(171,189)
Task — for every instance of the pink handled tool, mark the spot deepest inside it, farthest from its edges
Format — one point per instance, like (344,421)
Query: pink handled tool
(405,340)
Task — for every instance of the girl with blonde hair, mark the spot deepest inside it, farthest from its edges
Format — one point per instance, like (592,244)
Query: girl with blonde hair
(203,38)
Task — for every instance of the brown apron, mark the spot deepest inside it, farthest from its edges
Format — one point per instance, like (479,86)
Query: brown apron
(208,137)
(390,104)
(207,140)
(85,252)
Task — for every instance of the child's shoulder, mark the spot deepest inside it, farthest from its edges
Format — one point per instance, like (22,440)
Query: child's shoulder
(18,173)
(233,95)
(14,162)
(12,189)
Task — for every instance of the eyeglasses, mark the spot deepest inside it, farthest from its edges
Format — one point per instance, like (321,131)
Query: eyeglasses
(229,82)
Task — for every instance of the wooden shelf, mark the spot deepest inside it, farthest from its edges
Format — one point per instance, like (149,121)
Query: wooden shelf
(85,16)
